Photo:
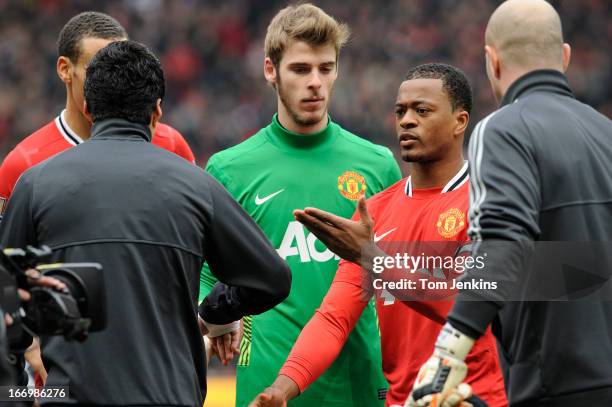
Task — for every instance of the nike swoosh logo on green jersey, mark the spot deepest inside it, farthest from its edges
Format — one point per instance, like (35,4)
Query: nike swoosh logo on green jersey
(259,201)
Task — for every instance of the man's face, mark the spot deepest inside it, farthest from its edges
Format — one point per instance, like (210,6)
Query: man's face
(304,81)
(425,123)
(89,47)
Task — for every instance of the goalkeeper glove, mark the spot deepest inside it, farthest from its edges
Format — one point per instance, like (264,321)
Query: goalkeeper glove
(444,371)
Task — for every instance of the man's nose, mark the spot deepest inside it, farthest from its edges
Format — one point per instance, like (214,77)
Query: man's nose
(408,120)
(315,80)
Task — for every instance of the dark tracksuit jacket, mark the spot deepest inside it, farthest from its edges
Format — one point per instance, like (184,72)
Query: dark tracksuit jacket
(541,170)
(150,219)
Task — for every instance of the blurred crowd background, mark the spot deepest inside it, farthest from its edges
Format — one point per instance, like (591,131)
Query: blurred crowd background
(212,53)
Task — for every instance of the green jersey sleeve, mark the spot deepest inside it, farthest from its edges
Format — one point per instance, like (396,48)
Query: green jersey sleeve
(393,173)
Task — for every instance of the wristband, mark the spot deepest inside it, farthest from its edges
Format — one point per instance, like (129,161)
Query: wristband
(215,330)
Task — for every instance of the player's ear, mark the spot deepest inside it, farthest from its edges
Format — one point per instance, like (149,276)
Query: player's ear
(64,69)
(270,72)
(462,119)
(493,61)
(567,53)
(157,114)
(86,112)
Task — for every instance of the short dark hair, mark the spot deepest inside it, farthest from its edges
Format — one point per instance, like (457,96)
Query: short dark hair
(124,80)
(87,24)
(454,82)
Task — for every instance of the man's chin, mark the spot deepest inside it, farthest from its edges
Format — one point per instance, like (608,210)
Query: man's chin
(412,156)
(310,119)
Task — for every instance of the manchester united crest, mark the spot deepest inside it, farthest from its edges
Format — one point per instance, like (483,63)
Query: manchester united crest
(352,185)
(450,223)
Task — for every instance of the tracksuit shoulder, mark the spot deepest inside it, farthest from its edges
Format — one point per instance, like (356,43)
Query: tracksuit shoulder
(506,130)
(507,119)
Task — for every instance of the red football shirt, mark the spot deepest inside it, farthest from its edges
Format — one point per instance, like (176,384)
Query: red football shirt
(56,137)
(400,213)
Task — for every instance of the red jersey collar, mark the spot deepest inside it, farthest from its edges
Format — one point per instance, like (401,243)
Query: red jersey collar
(65,130)
(456,182)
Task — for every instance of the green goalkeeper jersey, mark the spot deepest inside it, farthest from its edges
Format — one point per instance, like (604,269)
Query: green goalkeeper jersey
(271,174)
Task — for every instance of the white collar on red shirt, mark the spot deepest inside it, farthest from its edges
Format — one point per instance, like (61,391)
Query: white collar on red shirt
(65,130)
(459,179)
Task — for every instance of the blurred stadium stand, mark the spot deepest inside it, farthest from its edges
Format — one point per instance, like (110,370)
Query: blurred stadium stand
(212,52)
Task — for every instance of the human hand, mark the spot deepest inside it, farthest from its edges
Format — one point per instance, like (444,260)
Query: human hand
(227,345)
(36,279)
(456,397)
(270,397)
(277,395)
(442,375)
(345,237)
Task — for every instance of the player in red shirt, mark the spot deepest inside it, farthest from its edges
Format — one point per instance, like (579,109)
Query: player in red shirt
(432,112)
(80,39)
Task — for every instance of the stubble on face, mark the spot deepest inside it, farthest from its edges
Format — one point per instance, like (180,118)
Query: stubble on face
(305,120)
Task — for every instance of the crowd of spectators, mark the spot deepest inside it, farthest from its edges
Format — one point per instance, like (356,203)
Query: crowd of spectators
(212,53)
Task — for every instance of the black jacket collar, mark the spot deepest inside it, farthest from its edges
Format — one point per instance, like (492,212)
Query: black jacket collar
(120,129)
(548,80)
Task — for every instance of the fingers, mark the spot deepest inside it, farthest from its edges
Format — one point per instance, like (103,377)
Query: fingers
(220,349)
(37,279)
(366,219)
(227,344)
(33,274)
(457,395)
(325,216)
(321,229)
(213,348)
(235,342)
(24,295)
(261,400)
(224,346)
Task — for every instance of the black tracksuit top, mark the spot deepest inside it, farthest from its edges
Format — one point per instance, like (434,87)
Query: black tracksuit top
(541,170)
(150,218)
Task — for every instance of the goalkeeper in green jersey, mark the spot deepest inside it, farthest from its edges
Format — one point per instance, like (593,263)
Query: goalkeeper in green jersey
(303,159)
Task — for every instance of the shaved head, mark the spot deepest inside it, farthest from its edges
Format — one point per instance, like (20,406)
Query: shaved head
(527,35)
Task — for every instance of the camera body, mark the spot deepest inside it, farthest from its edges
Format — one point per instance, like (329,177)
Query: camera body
(73,314)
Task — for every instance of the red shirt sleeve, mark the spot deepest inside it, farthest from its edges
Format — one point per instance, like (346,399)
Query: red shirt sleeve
(12,167)
(170,139)
(323,337)
(182,148)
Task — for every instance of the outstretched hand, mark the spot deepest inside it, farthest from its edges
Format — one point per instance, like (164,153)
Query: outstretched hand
(271,397)
(345,237)
(283,389)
